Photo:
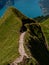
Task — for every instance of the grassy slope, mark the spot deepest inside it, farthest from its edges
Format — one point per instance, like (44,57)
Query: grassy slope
(45,27)
(10,25)
(9,35)
(41,18)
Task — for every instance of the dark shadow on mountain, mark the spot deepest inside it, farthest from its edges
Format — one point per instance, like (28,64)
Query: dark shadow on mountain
(23,29)
(26,21)
(37,45)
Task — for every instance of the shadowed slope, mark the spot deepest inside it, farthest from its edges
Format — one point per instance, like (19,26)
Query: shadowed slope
(36,44)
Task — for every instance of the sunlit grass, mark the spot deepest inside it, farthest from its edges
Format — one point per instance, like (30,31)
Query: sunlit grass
(9,36)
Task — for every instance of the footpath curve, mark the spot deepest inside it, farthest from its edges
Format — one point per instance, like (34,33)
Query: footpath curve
(21,50)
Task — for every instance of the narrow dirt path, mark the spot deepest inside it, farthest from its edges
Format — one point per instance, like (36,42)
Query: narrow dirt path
(21,50)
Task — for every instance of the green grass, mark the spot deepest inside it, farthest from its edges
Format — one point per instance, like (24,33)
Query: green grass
(45,27)
(9,36)
(10,25)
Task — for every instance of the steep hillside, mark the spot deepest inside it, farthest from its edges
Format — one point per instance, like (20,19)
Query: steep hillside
(18,14)
(11,24)
(45,27)
(9,35)
(36,43)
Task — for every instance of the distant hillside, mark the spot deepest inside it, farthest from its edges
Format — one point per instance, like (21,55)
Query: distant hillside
(41,18)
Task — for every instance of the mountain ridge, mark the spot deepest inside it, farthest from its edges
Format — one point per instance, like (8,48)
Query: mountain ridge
(12,24)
